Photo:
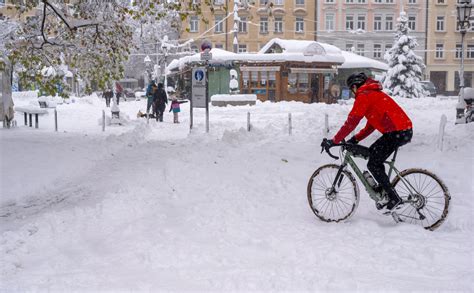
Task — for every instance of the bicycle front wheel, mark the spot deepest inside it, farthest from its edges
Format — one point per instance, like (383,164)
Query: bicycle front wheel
(328,203)
(425,194)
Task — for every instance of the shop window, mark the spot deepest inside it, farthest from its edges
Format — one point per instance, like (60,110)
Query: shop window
(298,82)
(272,79)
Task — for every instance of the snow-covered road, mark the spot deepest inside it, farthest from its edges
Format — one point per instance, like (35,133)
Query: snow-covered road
(152,207)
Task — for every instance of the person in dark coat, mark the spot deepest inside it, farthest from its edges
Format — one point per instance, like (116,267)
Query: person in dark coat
(160,102)
(107,94)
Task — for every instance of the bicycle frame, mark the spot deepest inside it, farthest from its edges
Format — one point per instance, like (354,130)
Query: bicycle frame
(348,160)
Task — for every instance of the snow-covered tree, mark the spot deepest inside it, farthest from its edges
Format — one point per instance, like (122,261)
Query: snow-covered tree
(92,38)
(405,67)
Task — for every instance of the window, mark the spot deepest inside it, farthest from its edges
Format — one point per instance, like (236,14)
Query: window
(388,47)
(378,1)
(378,51)
(389,22)
(278,24)
(299,2)
(349,1)
(349,22)
(328,1)
(439,51)
(388,1)
(470,51)
(194,24)
(329,21)
(219,24)
(440,1)
(219,2)
(440,23)
(242,48)
(411,1)
(360,49)
(349,47)
(361,22)
(264,25)
(219,46)
(361,1)
(458,51)
(278,2)
(298,82)
(412,22)
(263,2)
(299,25)
(243,25)
(2,2)
(377,22)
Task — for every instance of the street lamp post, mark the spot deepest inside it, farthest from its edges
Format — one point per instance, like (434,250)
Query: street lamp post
(463,14)
(147,61)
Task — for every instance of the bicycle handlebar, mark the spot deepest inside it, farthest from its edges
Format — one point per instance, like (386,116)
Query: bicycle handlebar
(327,148)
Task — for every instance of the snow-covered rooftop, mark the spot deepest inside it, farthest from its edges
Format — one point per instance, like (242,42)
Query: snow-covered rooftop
(293,50)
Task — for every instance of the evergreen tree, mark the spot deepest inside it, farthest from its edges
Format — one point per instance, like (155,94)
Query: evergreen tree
(405,67)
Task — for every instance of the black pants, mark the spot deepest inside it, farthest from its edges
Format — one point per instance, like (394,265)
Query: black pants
(380,150)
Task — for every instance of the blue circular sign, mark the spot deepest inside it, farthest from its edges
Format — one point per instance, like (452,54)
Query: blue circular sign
(199,75)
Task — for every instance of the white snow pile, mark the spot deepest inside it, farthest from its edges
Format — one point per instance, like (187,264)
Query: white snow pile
(157,207)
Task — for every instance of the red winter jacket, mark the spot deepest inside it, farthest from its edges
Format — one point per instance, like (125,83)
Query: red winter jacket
(381,111)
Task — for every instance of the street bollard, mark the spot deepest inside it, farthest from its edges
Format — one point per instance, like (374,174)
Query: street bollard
(55,120)
(248,121)
(326,124)
(103,120)
(289,124)
(442,125)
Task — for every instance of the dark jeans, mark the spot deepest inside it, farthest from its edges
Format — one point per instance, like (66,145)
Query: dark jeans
(107,102)
(159,109)
(380,150)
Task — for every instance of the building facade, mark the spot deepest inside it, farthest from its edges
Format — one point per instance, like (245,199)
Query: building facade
(444,48)
(367,27)
(260,22)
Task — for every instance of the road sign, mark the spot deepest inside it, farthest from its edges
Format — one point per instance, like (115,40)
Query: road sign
(199,87)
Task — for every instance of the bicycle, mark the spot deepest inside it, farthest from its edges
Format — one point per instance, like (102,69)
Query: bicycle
(333,193)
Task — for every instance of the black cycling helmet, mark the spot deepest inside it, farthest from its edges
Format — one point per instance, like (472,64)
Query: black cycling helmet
(356,79)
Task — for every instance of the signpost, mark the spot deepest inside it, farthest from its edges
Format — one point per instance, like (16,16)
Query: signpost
(200,82)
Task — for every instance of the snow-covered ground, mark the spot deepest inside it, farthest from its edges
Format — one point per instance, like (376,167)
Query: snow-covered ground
(155,207)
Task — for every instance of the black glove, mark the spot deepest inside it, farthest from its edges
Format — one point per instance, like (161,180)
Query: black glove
(327,143)
(353,140)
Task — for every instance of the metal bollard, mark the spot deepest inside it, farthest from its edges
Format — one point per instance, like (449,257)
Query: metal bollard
(103,120)
(248,121)
(290,127)
(55,120)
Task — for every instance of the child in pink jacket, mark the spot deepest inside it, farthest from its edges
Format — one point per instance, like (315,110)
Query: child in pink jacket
(176,109)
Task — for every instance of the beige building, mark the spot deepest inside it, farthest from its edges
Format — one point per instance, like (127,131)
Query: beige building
(444,48)
(367,27)
(259,23)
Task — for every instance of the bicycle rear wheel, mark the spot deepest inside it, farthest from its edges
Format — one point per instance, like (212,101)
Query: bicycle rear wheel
(422,191)
(328,204)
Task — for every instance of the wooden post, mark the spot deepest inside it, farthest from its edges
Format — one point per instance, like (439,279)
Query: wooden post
(55,120)
(442,125)
(248,121)
(31,119)
(26,119)
(103,120)
(289,124)
(36,120)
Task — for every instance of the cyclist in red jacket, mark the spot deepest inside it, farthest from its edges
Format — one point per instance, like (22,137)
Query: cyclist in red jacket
(382,114)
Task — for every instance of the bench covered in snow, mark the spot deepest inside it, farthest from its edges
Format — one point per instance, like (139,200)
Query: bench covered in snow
(29,111)
(233,100)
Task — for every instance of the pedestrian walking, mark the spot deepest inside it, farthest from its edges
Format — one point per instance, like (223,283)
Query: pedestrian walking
(160,102)
(107,95)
